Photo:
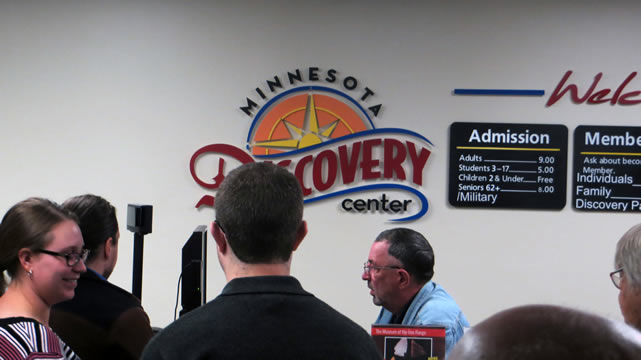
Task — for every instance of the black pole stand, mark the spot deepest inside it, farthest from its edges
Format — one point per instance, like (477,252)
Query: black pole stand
(139,218)
(137,268)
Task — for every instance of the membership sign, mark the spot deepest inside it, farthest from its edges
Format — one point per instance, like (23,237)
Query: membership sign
(501,165)
(607,168)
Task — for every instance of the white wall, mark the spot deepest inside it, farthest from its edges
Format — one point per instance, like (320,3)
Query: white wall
(114,97)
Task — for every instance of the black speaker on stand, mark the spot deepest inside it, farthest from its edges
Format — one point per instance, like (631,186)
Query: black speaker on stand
(139,222)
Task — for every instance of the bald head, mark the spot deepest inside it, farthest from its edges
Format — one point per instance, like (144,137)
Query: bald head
(548,332)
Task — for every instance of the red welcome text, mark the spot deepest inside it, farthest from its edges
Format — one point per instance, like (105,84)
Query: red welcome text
(595,97)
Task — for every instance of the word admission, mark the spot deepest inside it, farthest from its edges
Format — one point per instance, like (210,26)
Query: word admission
(508,137)
(507,165)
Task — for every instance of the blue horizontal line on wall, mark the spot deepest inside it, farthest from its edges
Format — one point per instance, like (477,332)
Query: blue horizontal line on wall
(503,92)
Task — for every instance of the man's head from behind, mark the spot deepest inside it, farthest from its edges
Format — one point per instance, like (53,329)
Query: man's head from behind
(548,332)
(628,260)
(400,262)
(99,227)
(259,208)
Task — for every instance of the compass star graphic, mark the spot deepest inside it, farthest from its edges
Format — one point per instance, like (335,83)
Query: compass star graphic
(310,134)
(305,120)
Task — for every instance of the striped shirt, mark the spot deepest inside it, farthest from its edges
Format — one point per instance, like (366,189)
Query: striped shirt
(24,338)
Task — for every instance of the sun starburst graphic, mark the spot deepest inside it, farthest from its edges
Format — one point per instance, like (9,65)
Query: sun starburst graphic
(304,120)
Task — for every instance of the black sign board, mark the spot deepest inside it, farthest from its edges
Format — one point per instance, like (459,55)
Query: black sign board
(499,165)
(607,168)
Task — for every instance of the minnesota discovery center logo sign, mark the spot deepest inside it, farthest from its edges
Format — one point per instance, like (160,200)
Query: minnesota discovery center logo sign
(319,126)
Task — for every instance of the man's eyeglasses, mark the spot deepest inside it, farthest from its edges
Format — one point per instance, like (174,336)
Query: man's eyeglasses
(368,266)
(616,277)
(71,258)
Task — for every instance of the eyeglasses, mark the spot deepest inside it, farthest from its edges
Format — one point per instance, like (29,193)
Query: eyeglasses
(368,266)
(72,258)
(616,277)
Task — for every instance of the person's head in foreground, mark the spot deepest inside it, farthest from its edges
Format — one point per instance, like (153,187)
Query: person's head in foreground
(548,332)
(259,220)
(262,312)
(627,275)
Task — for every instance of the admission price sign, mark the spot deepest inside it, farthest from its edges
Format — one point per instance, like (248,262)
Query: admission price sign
(501,165)
(607,168)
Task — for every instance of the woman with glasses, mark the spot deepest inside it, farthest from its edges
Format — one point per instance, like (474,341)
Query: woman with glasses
(42,255)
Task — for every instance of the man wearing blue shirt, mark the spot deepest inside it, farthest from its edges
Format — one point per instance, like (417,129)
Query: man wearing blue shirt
(398,272)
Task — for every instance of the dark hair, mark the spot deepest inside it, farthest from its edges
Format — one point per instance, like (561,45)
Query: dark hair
(260,208)
(412,250)
(96,219)
(27,225)
(548,332)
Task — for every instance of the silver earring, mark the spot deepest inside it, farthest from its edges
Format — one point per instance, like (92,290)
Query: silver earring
(30,272)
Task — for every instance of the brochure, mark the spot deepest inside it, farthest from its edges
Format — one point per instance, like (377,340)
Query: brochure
(405,342)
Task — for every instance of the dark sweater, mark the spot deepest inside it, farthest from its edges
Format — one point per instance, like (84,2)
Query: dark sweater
(265,317)
(102,321)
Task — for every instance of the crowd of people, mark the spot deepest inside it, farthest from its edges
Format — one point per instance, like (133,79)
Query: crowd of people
(56,301)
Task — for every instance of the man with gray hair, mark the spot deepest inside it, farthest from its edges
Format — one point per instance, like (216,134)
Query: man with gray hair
(399,272)
(627,276)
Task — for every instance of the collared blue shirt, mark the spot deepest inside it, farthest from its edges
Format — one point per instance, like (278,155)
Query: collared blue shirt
(433,306)
(95,273)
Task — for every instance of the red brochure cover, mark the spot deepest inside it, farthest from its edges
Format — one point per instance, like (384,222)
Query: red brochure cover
(404,342)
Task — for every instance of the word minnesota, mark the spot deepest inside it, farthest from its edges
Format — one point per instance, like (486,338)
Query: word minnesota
(508,137)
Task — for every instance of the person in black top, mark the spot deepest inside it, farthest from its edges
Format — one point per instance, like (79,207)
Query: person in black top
(263,312)
(102,321)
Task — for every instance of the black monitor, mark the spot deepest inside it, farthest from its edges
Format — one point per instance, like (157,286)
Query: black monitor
(194,270)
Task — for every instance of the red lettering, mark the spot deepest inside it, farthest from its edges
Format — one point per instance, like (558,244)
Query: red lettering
(325,157)
(368,163)
(618,97)
(299,171)
(418,162)
(574,91)
(393,157)
(223,149)
(623,100)
(393,161)
(349,163)
(206,200)
(598,97)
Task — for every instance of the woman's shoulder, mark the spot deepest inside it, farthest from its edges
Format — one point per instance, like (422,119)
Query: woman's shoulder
(25,337)
(17,320)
